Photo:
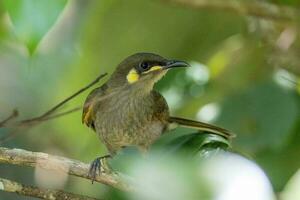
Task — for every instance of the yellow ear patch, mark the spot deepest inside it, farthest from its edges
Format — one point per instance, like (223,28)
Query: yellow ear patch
(132,76)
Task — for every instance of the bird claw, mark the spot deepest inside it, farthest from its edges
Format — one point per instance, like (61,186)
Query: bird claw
(98,166)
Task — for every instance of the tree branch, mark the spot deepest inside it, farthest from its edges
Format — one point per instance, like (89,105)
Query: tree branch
(252,8)
(53,109)
(12,134)
(48,115)
(13,115)
(14,187)
(50,162)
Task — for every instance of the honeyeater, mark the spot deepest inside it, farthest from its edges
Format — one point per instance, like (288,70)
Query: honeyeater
(127,111)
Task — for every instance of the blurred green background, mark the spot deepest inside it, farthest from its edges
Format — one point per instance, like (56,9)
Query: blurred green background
(243,76)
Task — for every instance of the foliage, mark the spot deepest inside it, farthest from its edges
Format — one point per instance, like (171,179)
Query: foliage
(32,19)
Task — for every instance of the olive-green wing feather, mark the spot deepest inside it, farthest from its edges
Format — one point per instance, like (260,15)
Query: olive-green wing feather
(201,126)
(89,104)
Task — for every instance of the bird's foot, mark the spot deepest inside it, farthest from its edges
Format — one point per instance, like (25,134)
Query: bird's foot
(98,166)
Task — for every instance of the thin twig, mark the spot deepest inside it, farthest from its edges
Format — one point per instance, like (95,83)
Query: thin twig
(50,162)
(53,109)
(290,80)
(49,115)
(24,190)
(12,116)
(252,8)
(78,108)
(13,133)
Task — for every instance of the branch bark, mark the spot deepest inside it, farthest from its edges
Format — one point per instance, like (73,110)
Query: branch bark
(15,187)
(252,8)
(51,162)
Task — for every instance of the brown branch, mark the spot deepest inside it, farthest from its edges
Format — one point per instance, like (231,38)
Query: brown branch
(252,8)
(66,165)
(78,108)
(53,109)
(49,115)
(14,187)
(13,115)
(14,132)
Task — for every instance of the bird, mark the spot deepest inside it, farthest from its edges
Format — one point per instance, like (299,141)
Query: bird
(127,111)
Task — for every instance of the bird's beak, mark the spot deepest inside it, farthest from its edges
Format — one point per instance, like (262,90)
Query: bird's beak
(176,63)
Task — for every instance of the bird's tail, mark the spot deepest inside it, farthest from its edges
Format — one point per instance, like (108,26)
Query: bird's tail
(201,126)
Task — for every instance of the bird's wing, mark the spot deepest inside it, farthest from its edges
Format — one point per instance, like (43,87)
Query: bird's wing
(91,100)
(201,126)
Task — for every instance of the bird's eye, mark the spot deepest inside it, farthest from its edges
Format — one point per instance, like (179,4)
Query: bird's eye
(144,65)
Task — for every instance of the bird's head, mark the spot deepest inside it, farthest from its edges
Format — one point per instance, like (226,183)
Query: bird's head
(144,69)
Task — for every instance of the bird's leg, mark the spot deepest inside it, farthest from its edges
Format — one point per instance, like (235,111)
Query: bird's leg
(98,166)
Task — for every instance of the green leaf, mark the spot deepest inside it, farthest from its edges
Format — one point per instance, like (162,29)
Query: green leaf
(278,163)
(32,19)
(177,143)
(189,144)
(263,117)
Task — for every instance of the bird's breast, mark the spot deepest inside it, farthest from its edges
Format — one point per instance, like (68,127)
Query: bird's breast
(126,120)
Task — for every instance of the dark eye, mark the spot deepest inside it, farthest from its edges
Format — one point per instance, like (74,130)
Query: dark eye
(144,65)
